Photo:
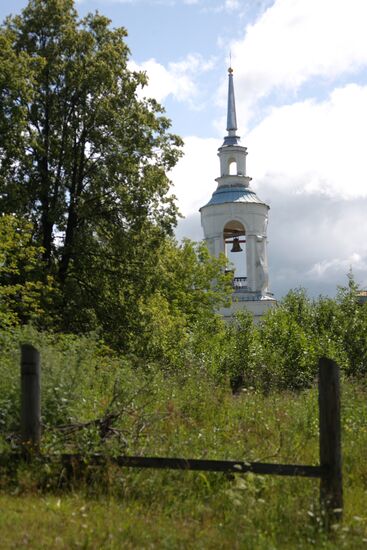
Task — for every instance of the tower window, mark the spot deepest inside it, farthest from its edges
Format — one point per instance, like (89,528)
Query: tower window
(232,168)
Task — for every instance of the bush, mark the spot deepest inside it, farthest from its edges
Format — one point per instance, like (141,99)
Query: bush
(242,352)
(289,353)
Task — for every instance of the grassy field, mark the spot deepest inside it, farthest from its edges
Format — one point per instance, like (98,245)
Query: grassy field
(191,416)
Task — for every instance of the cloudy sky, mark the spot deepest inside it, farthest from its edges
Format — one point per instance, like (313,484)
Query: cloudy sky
(300,69)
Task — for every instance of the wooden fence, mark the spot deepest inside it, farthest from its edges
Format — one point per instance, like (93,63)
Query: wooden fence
(329,470)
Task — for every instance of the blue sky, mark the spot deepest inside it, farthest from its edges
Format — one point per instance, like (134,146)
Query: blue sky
(301,92)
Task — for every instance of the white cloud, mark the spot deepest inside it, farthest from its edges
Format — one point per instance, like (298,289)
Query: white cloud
(327,267)
(315,146)
(294,41)
(194,175)
(177,80)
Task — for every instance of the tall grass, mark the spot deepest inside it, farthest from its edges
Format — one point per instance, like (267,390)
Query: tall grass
(190,413)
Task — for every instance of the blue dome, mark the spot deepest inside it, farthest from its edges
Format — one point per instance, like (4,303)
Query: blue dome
(233,194)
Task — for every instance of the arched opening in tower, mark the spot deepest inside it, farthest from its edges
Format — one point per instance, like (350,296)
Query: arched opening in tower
(232,168)
(234,235)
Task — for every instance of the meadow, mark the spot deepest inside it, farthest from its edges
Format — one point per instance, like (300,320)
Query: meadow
(189,413)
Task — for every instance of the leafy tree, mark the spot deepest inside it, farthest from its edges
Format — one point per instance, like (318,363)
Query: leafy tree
(189,286)
(300,307)
(82,158)
(353,327)
(24,293)
(300,330)
(289,352)
(192,279)
(327,329)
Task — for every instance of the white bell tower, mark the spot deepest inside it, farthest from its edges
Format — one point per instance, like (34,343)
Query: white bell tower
(235,223)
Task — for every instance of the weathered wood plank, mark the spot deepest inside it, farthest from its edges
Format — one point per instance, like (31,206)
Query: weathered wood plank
(331,484)
(163,463)
(199,465)
(30,397)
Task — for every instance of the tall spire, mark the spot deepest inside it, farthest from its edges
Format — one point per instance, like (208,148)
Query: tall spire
(231,138)
(231,111)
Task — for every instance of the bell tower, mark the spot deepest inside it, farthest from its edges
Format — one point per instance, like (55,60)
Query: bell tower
(235,221)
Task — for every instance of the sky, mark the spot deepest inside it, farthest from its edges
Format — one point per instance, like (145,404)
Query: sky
(300,76)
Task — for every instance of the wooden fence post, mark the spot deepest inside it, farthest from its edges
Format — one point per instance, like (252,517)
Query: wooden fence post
(331,486)
(30,397)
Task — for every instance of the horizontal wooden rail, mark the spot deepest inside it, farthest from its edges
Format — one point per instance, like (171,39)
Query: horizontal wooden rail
(164,463)
(206,465)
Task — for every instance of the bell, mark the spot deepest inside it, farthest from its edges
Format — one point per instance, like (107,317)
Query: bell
(236,247)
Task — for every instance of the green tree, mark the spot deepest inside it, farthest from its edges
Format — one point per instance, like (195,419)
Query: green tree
(82,158)
(327,329)
(289,351)
(300,307)
(178,320)
(24,293)
(352,327)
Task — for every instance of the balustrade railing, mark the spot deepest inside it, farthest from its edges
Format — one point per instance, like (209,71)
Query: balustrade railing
(239,282)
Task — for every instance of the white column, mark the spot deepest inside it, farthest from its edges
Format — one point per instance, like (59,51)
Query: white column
(266,267)
(211,246)
(261,265)
(218,245)
(250,259)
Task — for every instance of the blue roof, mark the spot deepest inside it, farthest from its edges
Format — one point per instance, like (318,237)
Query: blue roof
(233,194)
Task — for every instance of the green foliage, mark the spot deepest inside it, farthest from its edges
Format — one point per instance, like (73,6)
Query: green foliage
(289,352)
(242,356)
(170,414)
(328,331)
(72,370)
(300,330)
(280,353)
(353,328)
(24,292)
(193,280)
(299,307)
(189,286)
(84,160)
